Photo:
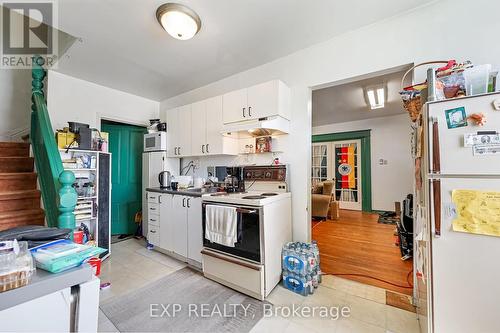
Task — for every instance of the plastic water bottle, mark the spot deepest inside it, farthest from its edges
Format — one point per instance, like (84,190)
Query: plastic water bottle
(315,278)
(309,285)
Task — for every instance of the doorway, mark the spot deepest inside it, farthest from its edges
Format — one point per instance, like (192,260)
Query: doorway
(126,147)
(361,160)
(340,162)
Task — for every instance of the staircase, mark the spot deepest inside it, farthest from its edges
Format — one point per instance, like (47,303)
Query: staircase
(19,197)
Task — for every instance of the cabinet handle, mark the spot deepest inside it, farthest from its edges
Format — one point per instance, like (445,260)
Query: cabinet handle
(207,149)
(249,111)
(188,202)
(153,231)
(159,199)
(152,220)
(244,112)
(183,202)
(203,149)
(179,150)
(175,150)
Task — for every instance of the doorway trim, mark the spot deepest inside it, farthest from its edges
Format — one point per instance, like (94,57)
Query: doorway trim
(366,181)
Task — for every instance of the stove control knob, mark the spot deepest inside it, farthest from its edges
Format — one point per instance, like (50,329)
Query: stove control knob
(268,174)
(249,175)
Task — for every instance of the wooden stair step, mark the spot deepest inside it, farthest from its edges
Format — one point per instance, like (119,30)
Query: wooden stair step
(19,200)
(16,164)
(14,149)
(22,217)
(17,181)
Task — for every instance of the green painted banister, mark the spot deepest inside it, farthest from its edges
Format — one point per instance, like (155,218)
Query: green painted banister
(59,197)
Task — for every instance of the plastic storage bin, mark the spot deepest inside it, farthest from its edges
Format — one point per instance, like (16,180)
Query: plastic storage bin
(476,79)
(16,265)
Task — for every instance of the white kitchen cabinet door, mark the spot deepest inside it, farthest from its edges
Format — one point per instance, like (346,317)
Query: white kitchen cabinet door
(179,222)
(269,99)
(214,123)
(172,132)
(235,106)
(166,222)
(184,130)
(194,228)
(199,128)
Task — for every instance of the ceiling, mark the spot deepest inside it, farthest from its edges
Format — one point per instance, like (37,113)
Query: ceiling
(347,102)
(123,46)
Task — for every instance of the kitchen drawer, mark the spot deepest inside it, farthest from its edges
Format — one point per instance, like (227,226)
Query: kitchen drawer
(154,220)
(153,197)
(153,209)
(234,273)
(153,234)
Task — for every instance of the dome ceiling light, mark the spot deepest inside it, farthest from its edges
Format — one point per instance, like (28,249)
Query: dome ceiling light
(178,20)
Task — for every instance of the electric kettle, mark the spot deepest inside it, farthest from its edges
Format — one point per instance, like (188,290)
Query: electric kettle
(164,178)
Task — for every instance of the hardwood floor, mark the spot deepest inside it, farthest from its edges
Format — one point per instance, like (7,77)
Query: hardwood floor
(357,244)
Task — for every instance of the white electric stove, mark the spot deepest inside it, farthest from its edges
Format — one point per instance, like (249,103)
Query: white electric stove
(253,265)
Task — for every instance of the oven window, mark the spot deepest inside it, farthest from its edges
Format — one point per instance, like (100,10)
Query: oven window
(150,142)
(248,245)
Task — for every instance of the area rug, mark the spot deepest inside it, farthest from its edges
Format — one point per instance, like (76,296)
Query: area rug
(183,301)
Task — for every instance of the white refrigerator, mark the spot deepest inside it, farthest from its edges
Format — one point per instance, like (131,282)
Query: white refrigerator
(152,164)
(457,212)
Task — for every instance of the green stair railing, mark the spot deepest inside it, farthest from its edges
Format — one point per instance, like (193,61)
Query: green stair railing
(58,195)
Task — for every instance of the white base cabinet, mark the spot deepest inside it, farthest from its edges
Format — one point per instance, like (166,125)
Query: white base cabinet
(175,225)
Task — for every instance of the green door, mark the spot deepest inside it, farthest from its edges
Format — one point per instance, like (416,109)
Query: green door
(126,146)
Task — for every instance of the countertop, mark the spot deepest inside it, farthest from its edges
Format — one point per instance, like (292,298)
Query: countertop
(45,283)
(167,190)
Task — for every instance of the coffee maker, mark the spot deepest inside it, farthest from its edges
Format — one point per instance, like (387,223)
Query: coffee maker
(234,181)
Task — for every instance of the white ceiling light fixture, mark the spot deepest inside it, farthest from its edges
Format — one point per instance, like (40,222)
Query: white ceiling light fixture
(178,20)
(376,97)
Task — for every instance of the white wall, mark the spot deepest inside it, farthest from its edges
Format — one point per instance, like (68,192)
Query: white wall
(417,36)
(390,140)
(15,103)
(72,99)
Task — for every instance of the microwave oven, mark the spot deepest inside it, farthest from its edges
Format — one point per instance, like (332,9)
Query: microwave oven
(155,141)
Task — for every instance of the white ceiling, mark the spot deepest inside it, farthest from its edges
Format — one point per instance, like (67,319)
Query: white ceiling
(347,102)
(124,47)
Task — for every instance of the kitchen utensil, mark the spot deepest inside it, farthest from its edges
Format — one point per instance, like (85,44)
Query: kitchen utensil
(165,179)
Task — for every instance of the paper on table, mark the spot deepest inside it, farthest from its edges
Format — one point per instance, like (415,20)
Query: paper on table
(478,212)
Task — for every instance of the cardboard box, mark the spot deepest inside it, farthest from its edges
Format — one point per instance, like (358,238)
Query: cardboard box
(334,211)
(64,139)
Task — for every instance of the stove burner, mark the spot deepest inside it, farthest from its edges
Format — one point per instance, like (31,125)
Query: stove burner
(254,197)
(269,194)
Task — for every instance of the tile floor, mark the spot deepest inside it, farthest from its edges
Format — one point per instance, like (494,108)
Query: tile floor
(132,266)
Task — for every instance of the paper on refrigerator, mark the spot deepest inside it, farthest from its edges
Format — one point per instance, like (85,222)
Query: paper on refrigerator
(477,212)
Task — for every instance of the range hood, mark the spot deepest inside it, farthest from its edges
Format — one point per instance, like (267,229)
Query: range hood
(269,126)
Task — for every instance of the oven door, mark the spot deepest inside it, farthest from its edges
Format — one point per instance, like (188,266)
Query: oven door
(249,245)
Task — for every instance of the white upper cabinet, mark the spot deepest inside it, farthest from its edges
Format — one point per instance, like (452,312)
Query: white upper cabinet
(262,100)
(198,128)
(172,135)
(184,131)
(235,106)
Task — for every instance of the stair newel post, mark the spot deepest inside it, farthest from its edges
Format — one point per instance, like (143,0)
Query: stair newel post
(38,74)
(67,201)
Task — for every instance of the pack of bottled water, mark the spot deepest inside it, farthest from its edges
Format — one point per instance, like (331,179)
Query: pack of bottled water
(300,263)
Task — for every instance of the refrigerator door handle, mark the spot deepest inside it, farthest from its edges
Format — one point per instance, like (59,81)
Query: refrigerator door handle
(436,194)
(436,157)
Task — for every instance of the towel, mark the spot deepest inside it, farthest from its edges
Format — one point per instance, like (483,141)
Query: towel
(221,225)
